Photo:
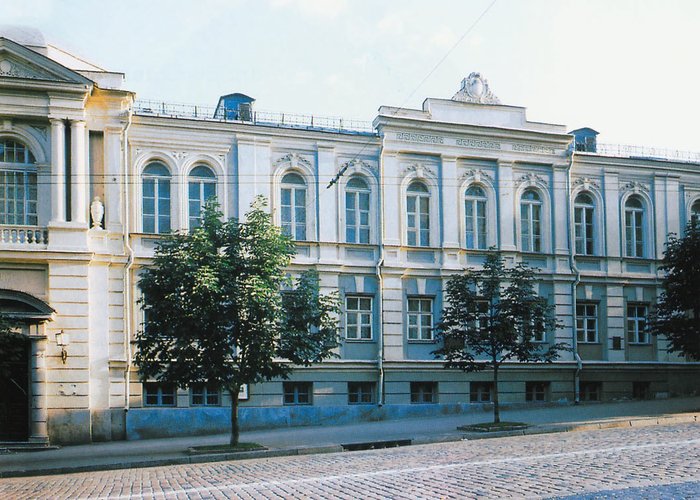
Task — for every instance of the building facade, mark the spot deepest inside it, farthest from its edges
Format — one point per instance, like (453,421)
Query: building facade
(90,178)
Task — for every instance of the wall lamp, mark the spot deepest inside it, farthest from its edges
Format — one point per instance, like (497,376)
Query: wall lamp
(62,341)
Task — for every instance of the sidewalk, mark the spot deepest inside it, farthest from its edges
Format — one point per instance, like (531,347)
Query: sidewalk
(299,440)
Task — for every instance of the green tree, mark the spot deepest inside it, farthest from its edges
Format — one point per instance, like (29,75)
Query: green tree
(216,310)
(492,316)
(677,313)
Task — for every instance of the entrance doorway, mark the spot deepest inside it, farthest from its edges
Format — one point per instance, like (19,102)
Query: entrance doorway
(14,388)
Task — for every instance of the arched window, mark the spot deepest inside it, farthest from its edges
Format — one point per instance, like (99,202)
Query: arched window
(583,224)
(475,217)
(531,221)
(634,227)
(156,198)
(294,206)
(18,184)
(357,211)
(418,215)
(202,186)
(695,212)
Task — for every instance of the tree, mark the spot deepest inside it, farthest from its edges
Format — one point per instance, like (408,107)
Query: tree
(216,312)
(493,315)
(677,313)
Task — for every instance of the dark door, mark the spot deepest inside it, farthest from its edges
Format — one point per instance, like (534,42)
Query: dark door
(14,388)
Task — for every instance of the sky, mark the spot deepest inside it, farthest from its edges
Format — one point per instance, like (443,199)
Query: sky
(628,69)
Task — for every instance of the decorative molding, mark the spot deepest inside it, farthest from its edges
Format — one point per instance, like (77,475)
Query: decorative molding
(635,187)
(475,88)
(358,164)
(179,155)
(476,175)
(419,169)
(43,131)
(531,179)
(294,159)
(14,69)
(587,183)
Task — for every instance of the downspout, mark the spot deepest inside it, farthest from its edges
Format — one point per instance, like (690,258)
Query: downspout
(127,269)
(575,272)
(380,284)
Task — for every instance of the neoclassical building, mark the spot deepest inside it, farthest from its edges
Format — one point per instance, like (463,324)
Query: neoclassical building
(91,178)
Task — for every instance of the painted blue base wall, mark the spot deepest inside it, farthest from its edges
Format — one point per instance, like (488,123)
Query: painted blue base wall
(145,423)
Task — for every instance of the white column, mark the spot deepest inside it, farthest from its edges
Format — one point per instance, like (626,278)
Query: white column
(79,177)
(506,206)
(450,203)
(391,199)
(613,220)
(327,198)
(113,175)
(58,171)
(559,211)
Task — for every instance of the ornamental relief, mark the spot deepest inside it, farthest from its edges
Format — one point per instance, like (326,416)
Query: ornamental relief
(357,164)
(530,179)
(635,187)
(294,159)
(586,183)
(419,170)
(476,176)
(13,69)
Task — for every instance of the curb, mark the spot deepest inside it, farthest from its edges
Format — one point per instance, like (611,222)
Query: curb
(337,448)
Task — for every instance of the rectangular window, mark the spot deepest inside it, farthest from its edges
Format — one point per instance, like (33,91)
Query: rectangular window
(158,394)
(297,393)
(424,392)
(637,324)
(480,392)
(587,323)
(18,198)
(583,230)
(361,393)
(358,317)
(420,318)
(418,220)
(590,391)
(536,391)
(357,217)
(205,395)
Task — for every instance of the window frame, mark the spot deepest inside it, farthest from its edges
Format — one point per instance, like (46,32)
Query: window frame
(420,314)
(479,238)
(423,392)
(360,313)
(478,389)
(205,391)
(201,182)
(18,176)
(537,391)
(362,393)
(585,236)
(532,241)
(160,394)
(294,225)
(635,234)
(636,332)
(356,194)
(582,333)
(419,230)
(294,389)
(157,180)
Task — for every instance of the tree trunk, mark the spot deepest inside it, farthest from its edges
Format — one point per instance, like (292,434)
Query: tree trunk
(235,432)
(496,409)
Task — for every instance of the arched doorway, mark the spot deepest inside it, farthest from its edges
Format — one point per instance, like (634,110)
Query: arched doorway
(22,366)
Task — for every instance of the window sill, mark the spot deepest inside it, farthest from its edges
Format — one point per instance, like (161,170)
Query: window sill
(419,341)
(360,341)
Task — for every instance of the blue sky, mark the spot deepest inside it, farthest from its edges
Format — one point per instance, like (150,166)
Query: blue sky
(629,69)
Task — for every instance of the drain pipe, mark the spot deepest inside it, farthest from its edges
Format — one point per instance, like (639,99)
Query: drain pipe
(575,271)
(380,284)
(127,268)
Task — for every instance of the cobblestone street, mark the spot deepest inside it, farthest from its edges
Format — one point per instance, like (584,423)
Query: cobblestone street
(649,462)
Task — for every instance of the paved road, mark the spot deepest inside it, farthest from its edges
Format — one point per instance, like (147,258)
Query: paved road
(649,462)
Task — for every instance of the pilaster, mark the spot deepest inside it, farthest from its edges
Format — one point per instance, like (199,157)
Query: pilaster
(79,178)
(506,206)
(58,171)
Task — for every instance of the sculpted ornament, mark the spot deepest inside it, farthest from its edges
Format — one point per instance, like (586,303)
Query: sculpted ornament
(475,88)
(476,175)
(586,183)
(357,165)
(294,160)
(420,170)
(531,179)
(636,187)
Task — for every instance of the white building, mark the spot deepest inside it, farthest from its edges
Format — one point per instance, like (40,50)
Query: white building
(89,177)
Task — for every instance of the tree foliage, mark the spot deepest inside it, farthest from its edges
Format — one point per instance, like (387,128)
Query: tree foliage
(216,309)
(677,313)
(492,316)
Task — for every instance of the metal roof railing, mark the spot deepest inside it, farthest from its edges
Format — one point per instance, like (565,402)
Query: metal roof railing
(267,118)
(646,152)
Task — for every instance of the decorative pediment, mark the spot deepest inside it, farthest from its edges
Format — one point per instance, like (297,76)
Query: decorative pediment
(357,164)
(635,187)
(17,61)
(419,170)
(531,179)
(586,183)
(294,159)
(477,175)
